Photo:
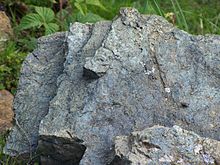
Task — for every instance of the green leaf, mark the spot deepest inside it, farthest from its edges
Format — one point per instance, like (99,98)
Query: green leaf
(90,17)
(62,12)
(30,21)
(46,14)
(51,28)
(67,19)
(44,17)
(96,3)
(79,1)
(53,1)
(159,11)
(28,43)
(80,8)
(2,86)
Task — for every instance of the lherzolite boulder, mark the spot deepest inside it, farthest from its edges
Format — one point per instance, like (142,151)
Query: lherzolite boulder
(80,89)
(162,145)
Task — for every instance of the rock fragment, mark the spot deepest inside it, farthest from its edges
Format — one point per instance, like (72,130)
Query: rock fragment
(6,111)
(163,145)
(6,31)
(111,78)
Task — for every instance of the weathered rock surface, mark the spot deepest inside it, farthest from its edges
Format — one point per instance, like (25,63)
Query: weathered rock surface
(6,31)
(37,86)
(163,145)
(6,112)
(118,77)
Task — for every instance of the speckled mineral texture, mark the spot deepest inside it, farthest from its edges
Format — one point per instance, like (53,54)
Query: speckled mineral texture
(37,86)
(118,76)
(163,145)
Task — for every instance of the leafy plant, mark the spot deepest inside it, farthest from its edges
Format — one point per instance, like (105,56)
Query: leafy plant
(44,17)
(44,3)
(89,17)
(179,15)
(10,64)
(27,44)
(83,10)
(82,5)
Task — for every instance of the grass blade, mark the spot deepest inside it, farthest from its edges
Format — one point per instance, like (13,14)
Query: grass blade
(161,13)
(182,15)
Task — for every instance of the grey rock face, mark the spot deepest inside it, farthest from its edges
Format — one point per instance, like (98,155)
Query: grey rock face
(37,86)
(163,145)
(119,77)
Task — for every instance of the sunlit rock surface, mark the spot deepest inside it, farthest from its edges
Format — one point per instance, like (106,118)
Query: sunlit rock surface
(163,145)
(78,91)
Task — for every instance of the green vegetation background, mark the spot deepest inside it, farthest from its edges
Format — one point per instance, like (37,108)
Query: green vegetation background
(31,19)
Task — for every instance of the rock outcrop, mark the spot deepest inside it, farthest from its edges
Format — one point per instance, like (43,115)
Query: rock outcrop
(6,112)
(37,87)
(77,93)
(162,145)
